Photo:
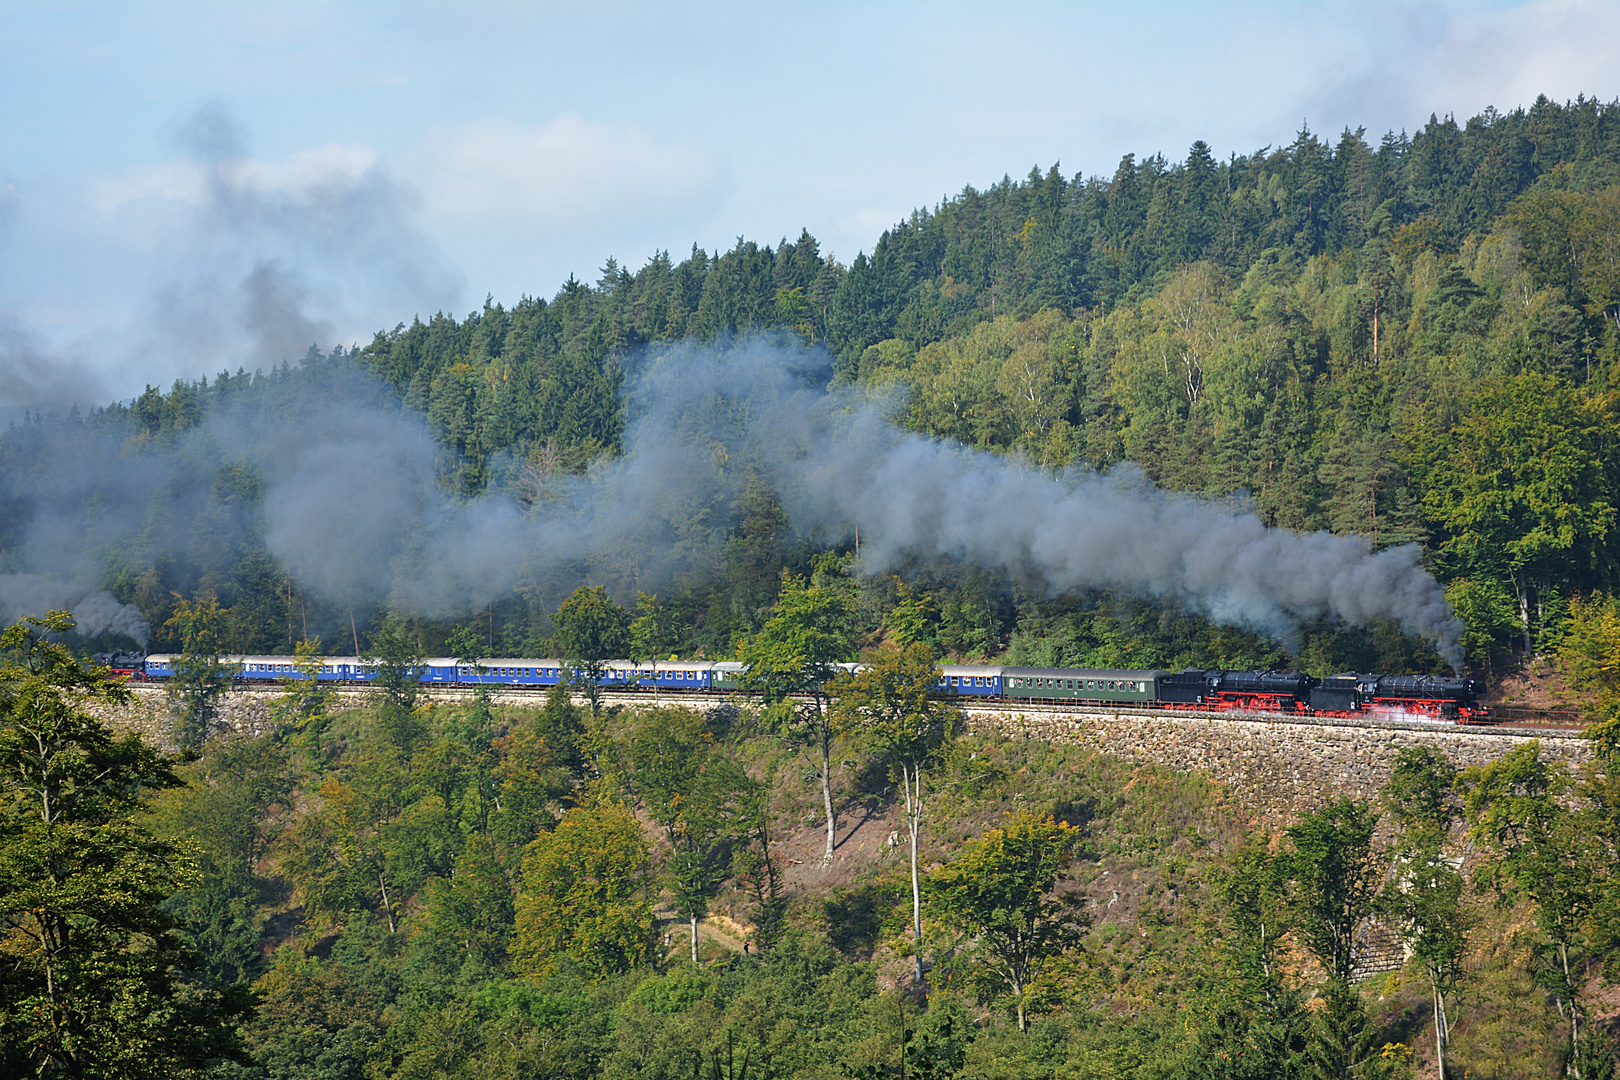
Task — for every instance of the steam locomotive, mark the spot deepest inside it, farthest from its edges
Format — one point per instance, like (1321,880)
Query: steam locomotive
(1267,692)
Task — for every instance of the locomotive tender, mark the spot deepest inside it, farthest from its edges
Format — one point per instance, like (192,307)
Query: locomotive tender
(1289,693)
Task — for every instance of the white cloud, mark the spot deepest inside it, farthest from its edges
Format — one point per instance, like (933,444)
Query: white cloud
(1555,47)
(1462,61)
(304,176)
(182,181)
(250,260)
(568,177)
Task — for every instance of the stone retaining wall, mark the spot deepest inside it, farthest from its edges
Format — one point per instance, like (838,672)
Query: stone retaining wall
(1276,766)
(246,711)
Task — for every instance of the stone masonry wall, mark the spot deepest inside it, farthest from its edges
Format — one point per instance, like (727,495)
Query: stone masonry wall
(1275,766)
(246,711)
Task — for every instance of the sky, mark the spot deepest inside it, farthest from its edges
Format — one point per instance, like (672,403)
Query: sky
(194,187)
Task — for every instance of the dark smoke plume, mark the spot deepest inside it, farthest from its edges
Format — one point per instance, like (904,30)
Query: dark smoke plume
(94,611)
(33,375)
(352,506)
(703,421)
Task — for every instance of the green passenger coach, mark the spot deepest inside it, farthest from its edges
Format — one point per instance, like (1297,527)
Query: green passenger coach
(1076,684)
(726,675)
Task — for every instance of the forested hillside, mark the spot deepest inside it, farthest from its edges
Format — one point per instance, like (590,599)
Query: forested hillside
(1411,341)
(1414,342)
(465,888)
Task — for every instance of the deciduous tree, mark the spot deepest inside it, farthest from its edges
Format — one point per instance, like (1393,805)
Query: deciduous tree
(1425,896)
(200,677)
(591,630)
(1520,488)
(1335,877)
(581,898)
(999,887)
(889,703)
(793,659)
(1518,805)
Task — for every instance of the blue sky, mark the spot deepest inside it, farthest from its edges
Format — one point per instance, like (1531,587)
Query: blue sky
(190,187)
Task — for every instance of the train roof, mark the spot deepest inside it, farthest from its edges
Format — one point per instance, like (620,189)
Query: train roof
(282,658)
(1082,673)
(970,669)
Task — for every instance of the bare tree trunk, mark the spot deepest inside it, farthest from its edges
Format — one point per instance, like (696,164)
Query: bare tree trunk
(1574,1013)
(694,939)
(388,908)
(913,787)
(1524,611)
(1440,1032)
(826,787)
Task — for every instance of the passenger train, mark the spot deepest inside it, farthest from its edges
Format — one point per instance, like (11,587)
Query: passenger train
(1276,692)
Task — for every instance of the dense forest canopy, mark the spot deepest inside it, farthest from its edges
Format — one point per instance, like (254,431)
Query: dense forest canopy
(1391,340)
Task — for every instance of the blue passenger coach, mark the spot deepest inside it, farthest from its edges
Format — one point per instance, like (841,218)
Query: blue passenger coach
(970,680)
